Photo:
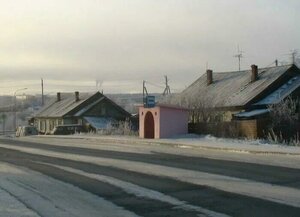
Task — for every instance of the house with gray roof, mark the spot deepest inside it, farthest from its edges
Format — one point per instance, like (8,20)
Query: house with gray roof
(247,90)
(95,110)
(243,95)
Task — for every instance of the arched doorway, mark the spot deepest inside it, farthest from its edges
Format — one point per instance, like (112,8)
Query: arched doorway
(149,126)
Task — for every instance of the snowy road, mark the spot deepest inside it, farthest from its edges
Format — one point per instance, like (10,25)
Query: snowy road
(76,177)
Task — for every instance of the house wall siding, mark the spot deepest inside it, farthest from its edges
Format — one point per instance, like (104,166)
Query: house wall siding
(46,125)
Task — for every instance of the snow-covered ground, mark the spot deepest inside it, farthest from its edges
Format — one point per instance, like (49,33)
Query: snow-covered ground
(189,145)
(25,193)
(236,145)
(201,141)
(275,193)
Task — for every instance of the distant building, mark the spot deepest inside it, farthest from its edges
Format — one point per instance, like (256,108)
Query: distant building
(240,97)
(96,111)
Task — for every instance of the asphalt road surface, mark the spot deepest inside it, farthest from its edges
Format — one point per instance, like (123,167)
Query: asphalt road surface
(159,183)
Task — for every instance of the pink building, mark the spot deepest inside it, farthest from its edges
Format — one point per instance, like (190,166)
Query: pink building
(162,121)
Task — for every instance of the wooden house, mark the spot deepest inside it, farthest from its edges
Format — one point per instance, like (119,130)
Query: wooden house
(241,97)
(95,110)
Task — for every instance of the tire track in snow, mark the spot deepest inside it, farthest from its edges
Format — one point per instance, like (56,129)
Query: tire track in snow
(289,177)
(230,184)
(50,197)
(140,191)
(30,212)
(213,199)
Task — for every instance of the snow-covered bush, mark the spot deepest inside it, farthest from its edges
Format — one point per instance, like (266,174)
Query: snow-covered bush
(284,125)
(120,128)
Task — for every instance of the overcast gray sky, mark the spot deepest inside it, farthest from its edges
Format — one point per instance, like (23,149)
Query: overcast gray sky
(72,43)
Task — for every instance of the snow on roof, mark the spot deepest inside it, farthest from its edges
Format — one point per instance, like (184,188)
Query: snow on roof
(252,113)
(232,89)
(281,93)
(100,122)
(60,108)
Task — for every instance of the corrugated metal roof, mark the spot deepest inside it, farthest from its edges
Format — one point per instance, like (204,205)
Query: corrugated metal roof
(60,108)
(233,89)
(281,93)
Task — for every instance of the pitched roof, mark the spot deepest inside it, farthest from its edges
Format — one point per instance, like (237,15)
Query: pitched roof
(282,92)
(60,108)
(234,89)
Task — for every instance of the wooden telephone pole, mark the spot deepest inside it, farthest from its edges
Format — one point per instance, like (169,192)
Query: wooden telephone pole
(42,84)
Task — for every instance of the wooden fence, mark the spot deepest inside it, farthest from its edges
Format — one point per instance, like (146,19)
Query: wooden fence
(251,129)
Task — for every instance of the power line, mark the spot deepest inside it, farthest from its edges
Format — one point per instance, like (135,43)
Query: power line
(156,85)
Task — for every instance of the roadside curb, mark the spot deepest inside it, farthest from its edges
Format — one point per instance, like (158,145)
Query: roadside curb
(245,150)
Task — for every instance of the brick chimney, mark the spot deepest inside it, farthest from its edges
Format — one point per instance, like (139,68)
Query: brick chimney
(254,73)
(209,76)
(58,96)
(76,96)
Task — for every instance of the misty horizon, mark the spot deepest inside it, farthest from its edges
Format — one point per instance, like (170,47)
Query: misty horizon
(71,44)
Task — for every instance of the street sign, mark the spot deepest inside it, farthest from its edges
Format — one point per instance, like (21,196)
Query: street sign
(150,101)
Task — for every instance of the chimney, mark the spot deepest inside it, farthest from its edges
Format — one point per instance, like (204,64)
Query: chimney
(76,96)
(58,96)
(254,73)
(209,76)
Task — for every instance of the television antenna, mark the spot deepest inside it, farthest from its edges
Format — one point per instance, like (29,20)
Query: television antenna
(239,56)
(294,54)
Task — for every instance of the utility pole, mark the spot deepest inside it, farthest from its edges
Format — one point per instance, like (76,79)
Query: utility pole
(144,91)
(239,55)
(42,84)
(167,88)
(15,106)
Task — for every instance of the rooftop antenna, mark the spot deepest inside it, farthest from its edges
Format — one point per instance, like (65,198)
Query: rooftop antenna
(293,55)
(167,88)
(239,55)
